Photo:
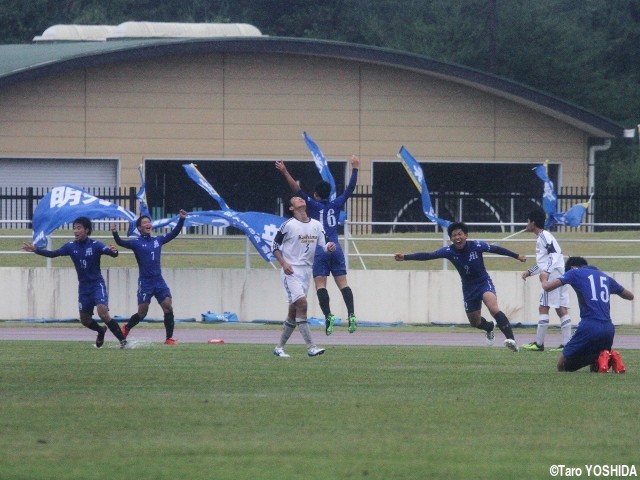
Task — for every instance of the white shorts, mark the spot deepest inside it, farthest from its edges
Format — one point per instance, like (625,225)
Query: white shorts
(555,298)
(297,284)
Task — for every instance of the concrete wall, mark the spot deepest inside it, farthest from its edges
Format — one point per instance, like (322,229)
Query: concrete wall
(380,296)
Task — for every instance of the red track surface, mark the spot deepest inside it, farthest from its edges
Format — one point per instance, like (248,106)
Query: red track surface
(364,336)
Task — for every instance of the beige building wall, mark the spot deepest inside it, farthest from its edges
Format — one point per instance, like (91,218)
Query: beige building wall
(249,106)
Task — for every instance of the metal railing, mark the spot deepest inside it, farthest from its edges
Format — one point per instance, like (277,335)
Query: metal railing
(353,243)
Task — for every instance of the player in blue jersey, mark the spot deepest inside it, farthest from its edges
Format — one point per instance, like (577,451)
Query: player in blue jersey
(147,250)
(320,207)
(477,286)
(92,289)
(592,341)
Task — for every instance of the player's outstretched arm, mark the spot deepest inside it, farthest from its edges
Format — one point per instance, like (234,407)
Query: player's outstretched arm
(293,185)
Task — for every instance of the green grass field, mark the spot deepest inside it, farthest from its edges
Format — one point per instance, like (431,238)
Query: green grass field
(232,411)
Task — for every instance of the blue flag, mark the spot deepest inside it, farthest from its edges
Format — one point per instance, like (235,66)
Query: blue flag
(549,198)
(321,163)
(142,195)
(325,173)
(259,227)
(64,203)
(197,177)
(571,218)
(415,172)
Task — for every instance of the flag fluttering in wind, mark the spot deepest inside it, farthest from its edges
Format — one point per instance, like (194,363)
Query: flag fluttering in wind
(321,163)
(260,228)
(570,218)
(142,195)
(64,203)
(414,170)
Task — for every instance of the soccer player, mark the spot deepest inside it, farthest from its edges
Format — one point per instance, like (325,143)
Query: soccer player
(592,341)
(294,247)
(477,286)
(92,289)
(327,212)
(147,250)
(549,259)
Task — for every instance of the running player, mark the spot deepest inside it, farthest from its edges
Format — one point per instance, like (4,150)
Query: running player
(592,341)
(92,289)
(147,250)
(294,247)
(549,259)
(477,286)
(327,212)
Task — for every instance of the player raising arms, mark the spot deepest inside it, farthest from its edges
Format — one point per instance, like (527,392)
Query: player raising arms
(477,286)
(327,212)
(294,247)
(92,289)
(147,250)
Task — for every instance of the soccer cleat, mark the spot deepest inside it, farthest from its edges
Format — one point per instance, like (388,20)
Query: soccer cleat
(279,352)
(353,323)
(616,362)
(602,362)
(125,331)
(511,345)
(328,324)
(170,341)
(315,351)
(491,334)
(100,337)
(123,344)
(533,347)
(556,349)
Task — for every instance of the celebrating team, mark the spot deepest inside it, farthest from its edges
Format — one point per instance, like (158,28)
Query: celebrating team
(306,246)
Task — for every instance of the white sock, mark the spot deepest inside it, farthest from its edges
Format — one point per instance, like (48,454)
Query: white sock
(565,327)
(287,330)
(305,331)
(543,325)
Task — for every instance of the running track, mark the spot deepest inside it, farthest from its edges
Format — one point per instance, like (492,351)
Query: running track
(242,334)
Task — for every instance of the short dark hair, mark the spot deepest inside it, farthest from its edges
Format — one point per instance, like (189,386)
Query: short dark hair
(85,222)
(575,262)
(538,217)
(323,189)
(457,226)
(139,220)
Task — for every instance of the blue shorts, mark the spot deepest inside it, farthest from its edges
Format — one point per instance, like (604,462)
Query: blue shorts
(589,339)
(329,263)
(152,288)
(473,293)
(92,294)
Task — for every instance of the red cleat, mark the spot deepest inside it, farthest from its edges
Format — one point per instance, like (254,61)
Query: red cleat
(170,341)
(125,331)
(602,362)
(616,362)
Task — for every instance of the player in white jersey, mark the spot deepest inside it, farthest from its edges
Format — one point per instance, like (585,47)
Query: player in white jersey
(549,259)
(294,247)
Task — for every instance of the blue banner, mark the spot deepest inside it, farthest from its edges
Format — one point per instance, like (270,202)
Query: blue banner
(259,227)
(549,198)
(414,170)
(197,177)
(571,218)
(142,195)
(64,203)
(321,163)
